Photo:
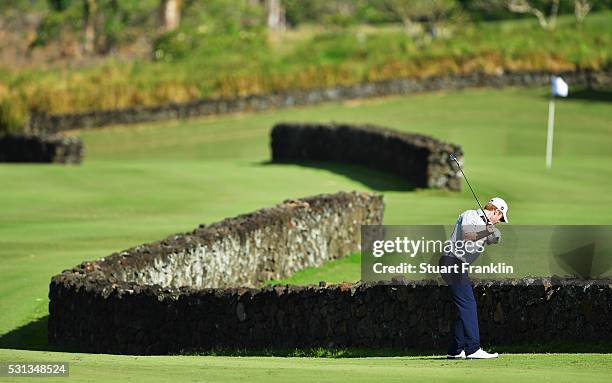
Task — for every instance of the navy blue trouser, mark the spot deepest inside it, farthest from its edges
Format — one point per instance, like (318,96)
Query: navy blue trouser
(466,335)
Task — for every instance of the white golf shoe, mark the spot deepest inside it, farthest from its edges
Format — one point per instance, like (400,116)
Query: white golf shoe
(461,355)
(482,354)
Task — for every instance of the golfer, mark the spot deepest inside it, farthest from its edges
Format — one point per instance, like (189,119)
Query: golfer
(475,227)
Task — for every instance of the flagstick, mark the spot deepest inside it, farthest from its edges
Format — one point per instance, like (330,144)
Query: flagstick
(551,125)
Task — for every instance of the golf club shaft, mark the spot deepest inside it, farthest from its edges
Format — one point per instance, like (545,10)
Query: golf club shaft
(470,186)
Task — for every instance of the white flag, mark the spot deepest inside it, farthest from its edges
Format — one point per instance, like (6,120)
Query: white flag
(558,86)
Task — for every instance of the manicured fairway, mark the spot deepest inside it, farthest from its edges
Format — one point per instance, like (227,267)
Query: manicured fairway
(142,183)
(555,368)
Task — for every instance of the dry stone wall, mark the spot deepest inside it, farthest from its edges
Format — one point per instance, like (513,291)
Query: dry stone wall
(422,160)
(146,300)
(248,249)
(96,316)
(203,107)
(241,251)
(40,148)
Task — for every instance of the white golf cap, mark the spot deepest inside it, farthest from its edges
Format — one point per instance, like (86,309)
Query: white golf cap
(502,206)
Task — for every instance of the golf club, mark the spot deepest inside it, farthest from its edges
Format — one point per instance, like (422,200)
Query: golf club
(452,157)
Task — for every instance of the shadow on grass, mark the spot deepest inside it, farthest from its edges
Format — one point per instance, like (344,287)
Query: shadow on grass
(422,353)
(583,347)
(591,95)
(32,336)
(374,179)
(315,352)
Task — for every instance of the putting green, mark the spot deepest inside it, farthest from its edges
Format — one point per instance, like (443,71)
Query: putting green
(142,183)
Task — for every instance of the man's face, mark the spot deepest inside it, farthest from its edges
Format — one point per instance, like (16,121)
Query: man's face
(496,216)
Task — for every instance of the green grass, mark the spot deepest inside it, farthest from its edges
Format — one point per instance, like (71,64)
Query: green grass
(338,270)
(142,183)
(139,184)
(508,368)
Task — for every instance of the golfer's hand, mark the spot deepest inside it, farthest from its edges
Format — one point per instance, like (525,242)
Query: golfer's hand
(494,237)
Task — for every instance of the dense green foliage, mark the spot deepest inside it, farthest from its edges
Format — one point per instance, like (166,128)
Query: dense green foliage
(194,62)
(335,12)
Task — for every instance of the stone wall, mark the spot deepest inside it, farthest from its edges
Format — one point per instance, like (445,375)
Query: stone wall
(40,148)
(423,161)
(249,249)
(241,251)
(204,107)
(102,317)
(156,298)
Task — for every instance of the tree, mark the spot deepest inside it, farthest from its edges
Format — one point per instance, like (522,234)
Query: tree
(328,12)
(581,10)
(89,15)
(86,27)
(524,6)
(275,15)
(101,27)
(430,12)
(546,21)
(170,14)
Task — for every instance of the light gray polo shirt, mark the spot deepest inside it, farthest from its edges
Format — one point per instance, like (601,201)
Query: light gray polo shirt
(469,220)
